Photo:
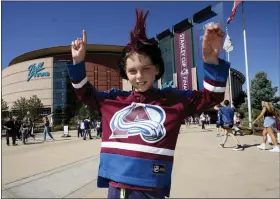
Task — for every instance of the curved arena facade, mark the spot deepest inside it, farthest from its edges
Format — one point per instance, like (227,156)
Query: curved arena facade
(44,73)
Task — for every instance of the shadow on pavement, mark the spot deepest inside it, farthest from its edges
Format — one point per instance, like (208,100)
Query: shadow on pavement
(41,141)
(30,143)
(249,145)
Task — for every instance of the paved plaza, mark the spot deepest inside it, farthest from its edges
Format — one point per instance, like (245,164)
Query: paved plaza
(67,168)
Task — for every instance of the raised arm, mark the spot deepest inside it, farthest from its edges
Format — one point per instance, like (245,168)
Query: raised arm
(216,74)
(212,94)
(84,90)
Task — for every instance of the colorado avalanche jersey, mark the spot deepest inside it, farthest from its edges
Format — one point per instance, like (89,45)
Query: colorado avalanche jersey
(140,130)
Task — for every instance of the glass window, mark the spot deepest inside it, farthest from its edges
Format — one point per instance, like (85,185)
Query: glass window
(58,91)
(60,75)
(59,101)
(61,79)
(59,85)
(59,96)
(166,47)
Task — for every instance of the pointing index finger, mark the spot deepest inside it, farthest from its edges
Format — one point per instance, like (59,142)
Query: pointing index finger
(84,37)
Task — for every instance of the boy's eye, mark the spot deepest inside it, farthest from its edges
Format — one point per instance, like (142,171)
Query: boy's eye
(147,68)
(132,71)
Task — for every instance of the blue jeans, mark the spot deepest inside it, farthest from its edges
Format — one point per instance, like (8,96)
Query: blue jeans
(115,193)
(47,131)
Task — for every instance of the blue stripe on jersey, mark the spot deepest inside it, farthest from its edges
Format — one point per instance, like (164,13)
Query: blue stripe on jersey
(112,93)
(133,171)
(218,72)
(182,93)
(77,72)
(117,92)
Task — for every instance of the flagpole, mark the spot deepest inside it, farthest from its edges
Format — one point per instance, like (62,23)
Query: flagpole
(230,85)
(247,70)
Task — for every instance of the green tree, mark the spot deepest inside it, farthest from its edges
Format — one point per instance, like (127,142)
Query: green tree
(4,105)
(261,90)
(20,106)
(35,106)
(4,108)
(86,112)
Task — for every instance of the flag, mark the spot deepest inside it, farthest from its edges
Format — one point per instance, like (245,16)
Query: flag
(228,44)
(235,4)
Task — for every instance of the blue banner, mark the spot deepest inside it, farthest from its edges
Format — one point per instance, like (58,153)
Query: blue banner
(167,51)
(198,33)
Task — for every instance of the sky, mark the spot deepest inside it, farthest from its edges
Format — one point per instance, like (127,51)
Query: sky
(28,26)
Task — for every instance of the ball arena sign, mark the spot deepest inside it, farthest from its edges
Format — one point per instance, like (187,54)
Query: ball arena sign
(34,71)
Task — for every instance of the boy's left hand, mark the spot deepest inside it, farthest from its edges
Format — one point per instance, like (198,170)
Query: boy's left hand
(212,44)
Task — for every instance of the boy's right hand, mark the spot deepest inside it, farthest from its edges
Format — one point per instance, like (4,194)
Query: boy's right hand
(78,48)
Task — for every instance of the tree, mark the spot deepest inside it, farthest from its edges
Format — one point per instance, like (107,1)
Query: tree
(34,106)
(4,108)
(20,106)
(261,90)
(4,105)
(86,112)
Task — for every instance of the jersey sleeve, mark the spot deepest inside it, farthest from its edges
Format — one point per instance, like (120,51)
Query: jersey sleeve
(215,80)
(85,91)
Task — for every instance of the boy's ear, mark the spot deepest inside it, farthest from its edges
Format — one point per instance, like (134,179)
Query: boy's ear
(157,68)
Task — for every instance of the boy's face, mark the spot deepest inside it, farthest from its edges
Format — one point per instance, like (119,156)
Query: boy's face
(141,72)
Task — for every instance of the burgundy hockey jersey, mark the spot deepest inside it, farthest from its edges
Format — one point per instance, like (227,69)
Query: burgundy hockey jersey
(140,130)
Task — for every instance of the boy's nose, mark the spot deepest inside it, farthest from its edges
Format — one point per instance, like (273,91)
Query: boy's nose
(139,75)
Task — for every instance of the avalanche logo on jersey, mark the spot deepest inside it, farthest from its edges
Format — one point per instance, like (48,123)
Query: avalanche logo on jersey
(139,119)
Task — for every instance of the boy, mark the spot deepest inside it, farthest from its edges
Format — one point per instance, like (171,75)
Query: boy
(227,114)
(140,127)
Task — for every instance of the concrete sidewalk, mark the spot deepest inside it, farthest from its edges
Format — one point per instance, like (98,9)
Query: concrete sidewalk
(67,168)
(204,170)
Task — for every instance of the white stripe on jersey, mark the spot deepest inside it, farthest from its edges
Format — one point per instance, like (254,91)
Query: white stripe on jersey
(214,89)
(138,147)
(81,84)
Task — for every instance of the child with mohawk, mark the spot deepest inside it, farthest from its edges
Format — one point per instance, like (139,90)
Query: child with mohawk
(140,127)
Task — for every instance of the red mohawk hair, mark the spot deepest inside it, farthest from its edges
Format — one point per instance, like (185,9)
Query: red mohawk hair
(139,43)
(138,35)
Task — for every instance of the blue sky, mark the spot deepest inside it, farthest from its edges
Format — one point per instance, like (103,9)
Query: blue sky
(28,26)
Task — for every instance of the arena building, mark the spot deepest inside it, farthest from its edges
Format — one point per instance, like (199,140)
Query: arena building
(43,73)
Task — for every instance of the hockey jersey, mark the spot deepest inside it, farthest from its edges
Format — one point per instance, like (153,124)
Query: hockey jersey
(140,130)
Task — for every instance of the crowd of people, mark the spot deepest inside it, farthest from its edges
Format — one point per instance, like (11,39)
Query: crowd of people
(203,119)
(84,127)
(17,129)
(229,121)
(23,129)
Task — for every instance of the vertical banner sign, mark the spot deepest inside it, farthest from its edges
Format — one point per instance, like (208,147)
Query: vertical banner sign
(184,59)
(166,47)
(199,29)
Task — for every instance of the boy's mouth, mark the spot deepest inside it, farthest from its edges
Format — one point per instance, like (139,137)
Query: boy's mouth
(141,83)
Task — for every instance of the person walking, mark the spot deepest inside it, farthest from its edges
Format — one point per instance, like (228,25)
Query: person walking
(227,114)
(10,129)
(268,113)
(47,129)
